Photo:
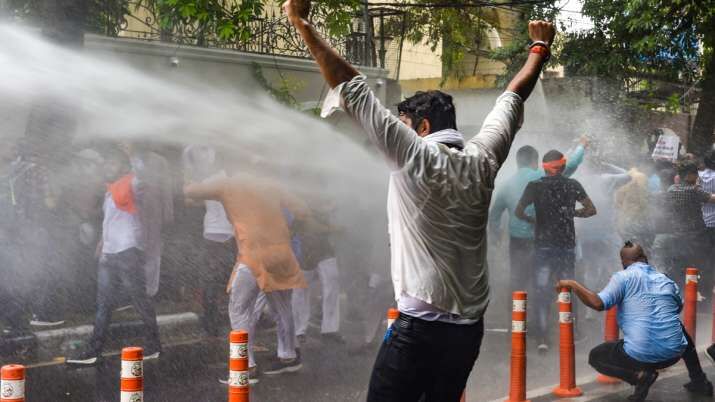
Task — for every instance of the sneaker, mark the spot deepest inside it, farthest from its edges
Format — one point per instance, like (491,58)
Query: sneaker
(702,387)
(643,386)
(710,353)
(37,322)
(280,366)
(86,358)
(301,339)
(253,377)
(333,337)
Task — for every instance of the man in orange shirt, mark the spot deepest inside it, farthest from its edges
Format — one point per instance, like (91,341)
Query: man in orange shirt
(265,261)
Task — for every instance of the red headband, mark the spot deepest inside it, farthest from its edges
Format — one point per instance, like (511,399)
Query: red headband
(554,167)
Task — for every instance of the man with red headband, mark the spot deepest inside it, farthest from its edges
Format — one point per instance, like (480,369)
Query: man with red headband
(554,198)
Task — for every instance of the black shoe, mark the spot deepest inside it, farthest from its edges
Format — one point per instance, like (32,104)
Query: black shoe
(643,386)
(334,338)
(280,366)
(87,357)
(301,339)
(710,353)
(702,387)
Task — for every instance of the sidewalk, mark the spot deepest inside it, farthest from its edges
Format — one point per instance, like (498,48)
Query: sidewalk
(56,343)
(668,388)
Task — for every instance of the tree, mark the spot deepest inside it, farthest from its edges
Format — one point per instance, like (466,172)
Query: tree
(653,40)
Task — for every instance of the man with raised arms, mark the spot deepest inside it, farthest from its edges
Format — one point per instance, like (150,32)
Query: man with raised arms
(438,204)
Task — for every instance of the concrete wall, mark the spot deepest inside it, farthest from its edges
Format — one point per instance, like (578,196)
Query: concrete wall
(223,68)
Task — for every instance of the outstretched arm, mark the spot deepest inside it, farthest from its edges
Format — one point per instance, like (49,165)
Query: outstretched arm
(523,83)
(334,68)
(587,296)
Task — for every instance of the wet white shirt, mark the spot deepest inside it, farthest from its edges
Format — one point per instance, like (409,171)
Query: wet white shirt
(217,227)
(438,202)
(120,230)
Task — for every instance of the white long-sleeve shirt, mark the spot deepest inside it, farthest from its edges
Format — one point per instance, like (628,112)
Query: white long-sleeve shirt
(438,201)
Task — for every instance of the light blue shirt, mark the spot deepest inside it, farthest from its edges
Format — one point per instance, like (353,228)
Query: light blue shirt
(508,194)
(649,308)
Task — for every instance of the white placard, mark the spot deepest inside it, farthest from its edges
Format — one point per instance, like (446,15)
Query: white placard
(134,396)
(667,148)
(12,389)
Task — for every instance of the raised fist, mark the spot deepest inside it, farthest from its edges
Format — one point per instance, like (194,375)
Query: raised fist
(542,31)
(297,9)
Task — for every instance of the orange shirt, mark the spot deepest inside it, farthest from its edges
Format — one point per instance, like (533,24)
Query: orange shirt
(254,207)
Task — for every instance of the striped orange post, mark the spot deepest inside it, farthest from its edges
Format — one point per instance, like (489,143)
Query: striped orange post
(611,334)
(464,397)
(691,301)
(567,369)
(712,339)
(132,382)
(392,315)
(12,383)
(238,381)
(517,380)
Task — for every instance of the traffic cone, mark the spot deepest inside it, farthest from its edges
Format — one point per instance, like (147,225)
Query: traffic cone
(567,368)
(691,301)
(517,381)
(132,382)
(238,381)
(12,383)
(611,334)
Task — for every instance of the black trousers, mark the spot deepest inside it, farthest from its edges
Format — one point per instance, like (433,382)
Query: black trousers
(521,262)
(423,359)
(117,272)
(611,359)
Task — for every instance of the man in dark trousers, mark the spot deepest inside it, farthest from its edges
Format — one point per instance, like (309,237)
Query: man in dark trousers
(440,191)
(649,307)
(554,197)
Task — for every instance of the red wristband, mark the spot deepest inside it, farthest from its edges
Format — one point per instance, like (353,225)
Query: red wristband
(542,50)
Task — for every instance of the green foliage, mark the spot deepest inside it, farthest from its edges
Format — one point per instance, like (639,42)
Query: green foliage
(651,38)
(513,54)
(283,93)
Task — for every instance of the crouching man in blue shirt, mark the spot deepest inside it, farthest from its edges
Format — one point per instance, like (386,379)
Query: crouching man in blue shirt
(649,307)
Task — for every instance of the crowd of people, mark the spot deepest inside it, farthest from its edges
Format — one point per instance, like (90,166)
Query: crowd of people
(266,245)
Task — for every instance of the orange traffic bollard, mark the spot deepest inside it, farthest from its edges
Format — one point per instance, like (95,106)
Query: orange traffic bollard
(238,380)
(464,397)
(691,301)
(712,339)
(611,334)
(12,383)
(392,315)
(567,370)
(517,381)
(132,382)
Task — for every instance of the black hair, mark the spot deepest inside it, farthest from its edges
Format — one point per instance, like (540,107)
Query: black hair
(553,155)
(709,159)
(687,167)
(435,106)
(667,176)
(526,155)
